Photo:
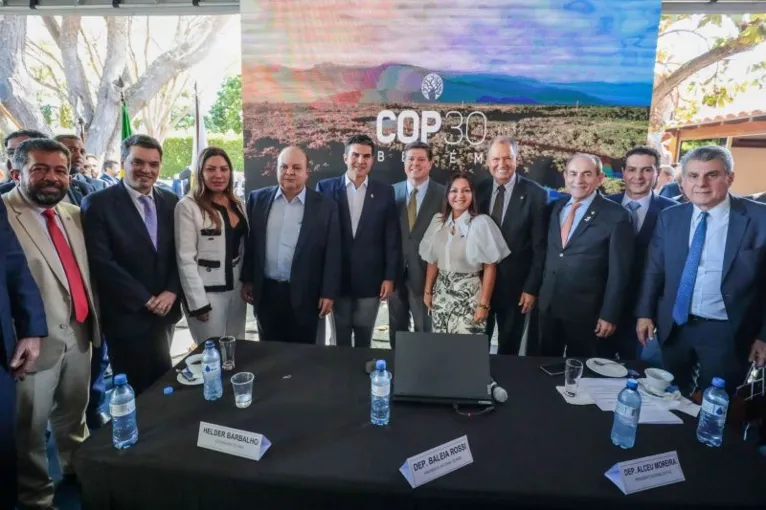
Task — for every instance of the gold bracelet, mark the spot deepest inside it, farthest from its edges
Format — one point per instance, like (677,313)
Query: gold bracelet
(485,307)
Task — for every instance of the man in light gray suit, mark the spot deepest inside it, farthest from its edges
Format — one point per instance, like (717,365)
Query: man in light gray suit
(418,199)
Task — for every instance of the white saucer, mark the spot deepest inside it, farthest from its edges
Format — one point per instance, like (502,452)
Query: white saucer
(183,380)
(663,395)
(609,369)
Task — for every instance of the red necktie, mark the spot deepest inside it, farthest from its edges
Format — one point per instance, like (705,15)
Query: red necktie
(73,276)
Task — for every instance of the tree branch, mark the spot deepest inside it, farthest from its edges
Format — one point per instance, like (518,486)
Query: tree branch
(53,28)
(45,52)
(93,57)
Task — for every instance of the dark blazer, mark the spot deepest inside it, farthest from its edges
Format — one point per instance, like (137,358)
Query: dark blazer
(108,179)
(525,230)
(22,313)
(588,279)
(77,190)
(644,236)
(126,268)
(315,272)
(96,184)
(411,261)
(743,281)
(375,253)
(670,190)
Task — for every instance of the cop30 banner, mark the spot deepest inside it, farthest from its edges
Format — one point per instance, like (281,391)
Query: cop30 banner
(559,76)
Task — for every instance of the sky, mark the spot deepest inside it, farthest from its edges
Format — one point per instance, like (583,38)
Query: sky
(548,40)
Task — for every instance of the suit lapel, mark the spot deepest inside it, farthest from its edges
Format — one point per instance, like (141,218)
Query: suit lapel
(430,202)
(738,221)
(265,201)
(164,231)
(26,214)
(587,220)
(650,220)
(306,226)
(679,236)
(77,245)
(342,199)
(556,221)
(133,218)
(369,198)
(518,195)
(400,193)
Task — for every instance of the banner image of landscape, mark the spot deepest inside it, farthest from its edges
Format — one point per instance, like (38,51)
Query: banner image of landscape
(559,76)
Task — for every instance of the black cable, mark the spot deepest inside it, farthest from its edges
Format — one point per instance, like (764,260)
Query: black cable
(472,414)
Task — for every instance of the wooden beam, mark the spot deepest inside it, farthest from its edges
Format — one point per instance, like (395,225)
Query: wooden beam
(723,130)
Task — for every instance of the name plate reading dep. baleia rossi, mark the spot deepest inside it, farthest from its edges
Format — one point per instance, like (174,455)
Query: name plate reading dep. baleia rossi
(437,462)
(232,441)
(646,473)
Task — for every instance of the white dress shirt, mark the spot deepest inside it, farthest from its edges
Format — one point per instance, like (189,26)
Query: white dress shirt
(707,300)
(641,211)
(506,198)
(420,195)
(282,230)
(355,198)
(136,197)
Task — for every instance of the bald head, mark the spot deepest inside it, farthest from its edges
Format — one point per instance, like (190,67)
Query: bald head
(292,171)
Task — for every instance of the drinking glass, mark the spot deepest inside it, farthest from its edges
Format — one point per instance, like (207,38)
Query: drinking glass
(243,389)
(227,344)
(572,374)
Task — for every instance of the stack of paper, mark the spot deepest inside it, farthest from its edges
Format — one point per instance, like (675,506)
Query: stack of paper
(654,410)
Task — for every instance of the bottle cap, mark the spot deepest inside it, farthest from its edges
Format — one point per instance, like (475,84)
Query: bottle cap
(120,379)
(719,383)
(167,390)
(209,343)
(380,364)
(632,384)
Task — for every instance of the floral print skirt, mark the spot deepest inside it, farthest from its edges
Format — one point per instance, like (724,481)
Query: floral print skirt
(455,297)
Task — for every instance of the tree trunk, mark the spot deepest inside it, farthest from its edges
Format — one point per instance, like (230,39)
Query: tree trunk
(15,84)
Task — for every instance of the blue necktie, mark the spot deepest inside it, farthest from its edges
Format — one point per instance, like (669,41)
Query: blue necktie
(689,275)
(633,208)
(150,218)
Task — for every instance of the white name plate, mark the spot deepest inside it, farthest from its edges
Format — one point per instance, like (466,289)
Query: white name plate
(232,441)
(646,473)
(437,462)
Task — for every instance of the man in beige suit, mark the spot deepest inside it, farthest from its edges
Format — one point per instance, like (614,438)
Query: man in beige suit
(56,390)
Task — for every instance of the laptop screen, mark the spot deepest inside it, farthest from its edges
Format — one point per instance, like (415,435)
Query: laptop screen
(438,367)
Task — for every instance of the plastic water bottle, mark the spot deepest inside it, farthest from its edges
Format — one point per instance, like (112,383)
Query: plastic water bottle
(211,372)
(626,415)
(715,404)
(122,407)
(380,410)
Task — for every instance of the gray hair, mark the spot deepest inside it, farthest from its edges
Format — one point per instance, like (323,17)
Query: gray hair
(588,157)
(710,153)
(505,140)
(21,155)
(668,170)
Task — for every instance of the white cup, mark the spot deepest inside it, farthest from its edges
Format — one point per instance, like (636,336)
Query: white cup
(195,365)
(658,379)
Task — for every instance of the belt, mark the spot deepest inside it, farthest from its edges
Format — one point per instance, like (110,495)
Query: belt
(277,282)
(697,318)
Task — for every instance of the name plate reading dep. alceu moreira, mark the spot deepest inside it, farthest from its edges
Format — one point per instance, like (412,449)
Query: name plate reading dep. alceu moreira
(437,462)
(232,441)
(646,473)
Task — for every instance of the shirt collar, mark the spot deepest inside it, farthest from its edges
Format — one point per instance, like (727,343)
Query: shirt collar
(584,203)
(136,195)
(349,181)
(462,223)
(421,189)
(644,202)
(300,196)
(508,185)
(716,213)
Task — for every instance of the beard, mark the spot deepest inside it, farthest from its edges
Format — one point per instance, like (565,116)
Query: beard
(45,198)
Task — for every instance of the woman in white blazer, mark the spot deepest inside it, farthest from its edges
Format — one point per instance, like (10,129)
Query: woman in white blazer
(210,232)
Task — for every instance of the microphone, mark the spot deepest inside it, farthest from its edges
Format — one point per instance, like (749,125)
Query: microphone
(498,393)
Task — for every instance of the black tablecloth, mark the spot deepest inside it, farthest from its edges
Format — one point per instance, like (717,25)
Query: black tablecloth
(313,404)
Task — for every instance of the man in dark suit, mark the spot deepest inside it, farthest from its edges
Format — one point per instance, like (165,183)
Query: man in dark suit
(110,172)
(643,205)
(77,190)
(22,317)
(705,278)
(130,239)
(291,274)
(587,266)
(370,243)
(78,163)
(519,208)
(418,199)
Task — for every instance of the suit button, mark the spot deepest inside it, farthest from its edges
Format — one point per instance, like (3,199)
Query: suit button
(561,254)
(62,326)
(208,269)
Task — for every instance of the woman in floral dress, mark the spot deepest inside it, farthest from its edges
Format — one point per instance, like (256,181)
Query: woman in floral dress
(461,248)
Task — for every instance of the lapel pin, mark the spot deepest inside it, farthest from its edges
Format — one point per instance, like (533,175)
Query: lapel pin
(372,196)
